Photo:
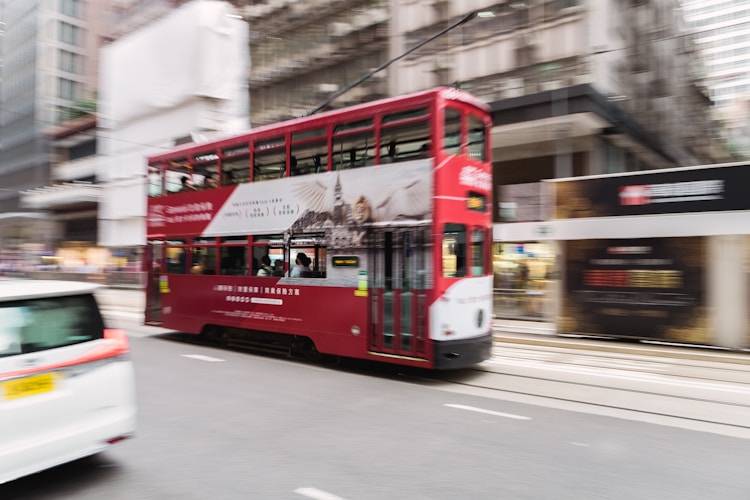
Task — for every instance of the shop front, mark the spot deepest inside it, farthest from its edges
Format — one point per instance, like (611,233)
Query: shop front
(660,255)
(524,273)
(524,255)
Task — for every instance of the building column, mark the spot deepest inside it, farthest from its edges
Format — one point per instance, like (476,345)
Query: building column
(727,290)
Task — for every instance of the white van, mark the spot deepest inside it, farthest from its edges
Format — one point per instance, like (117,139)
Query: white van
(67,384)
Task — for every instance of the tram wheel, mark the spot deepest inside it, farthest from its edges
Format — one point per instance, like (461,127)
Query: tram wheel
(304,347)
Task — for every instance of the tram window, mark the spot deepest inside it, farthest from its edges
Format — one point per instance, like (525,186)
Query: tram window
(452,131)
(178,168)
(341,127)
(478,257)
(203,260)
(309,134)
(407,262)
(271,245)
(405,115)
(404,142)
(270,159)
(272,143)
(239,150)
(476,138)
(154,182)
(233,252)
(454,251)
(313,246)
(206,166)
(275,256)
(353,151)
(311,158)
(236,170)
(176,257)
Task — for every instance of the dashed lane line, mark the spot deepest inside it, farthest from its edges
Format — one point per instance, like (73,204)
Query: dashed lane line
(201,357)
(488,412)
(317,494)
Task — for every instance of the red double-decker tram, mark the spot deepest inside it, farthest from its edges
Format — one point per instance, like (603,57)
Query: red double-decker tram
(363,232)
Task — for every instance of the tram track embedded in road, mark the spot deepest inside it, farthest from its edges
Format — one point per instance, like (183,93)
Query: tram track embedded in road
(597,388)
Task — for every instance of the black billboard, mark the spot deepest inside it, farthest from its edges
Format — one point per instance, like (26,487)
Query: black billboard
(649,288)
(677,191)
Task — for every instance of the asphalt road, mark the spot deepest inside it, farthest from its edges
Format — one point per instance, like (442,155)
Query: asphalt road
(223,424)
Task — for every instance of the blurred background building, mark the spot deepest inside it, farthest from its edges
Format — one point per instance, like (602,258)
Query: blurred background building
(577,87)
(48,128)
(90,150)
(49,53)
(722,34)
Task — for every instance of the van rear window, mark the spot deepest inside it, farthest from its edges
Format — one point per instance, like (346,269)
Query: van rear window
(46,323)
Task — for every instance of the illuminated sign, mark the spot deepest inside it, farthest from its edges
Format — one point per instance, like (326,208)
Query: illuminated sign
(688,190)
(671,192)
(476,202)
(643,288)
(345,261)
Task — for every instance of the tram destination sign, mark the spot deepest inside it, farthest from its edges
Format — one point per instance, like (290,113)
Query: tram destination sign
(476,202)
(711,189)
(345,261)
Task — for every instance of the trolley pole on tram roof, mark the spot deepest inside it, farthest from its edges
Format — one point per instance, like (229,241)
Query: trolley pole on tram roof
(465,19)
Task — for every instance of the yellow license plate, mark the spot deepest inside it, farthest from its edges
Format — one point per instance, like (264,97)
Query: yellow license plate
(28,386)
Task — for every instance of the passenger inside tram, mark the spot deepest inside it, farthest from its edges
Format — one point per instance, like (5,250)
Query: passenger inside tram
(211,182)
(265,266)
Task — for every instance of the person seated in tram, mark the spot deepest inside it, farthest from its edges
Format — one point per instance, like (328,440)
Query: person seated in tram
(317,163)
(354,161)
(200,266)
(211,182)
(265,266)
(392,155)
(302,265)
(278,268)
(229,178)
(187,184)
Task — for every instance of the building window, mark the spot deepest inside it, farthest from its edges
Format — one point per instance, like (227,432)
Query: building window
(70,62)
(70,34)
(67,89)
(71,8)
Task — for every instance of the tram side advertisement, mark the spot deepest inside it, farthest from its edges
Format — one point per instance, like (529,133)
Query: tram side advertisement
(648,288)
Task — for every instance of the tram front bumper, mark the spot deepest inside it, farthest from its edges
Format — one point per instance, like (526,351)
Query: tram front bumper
(463,353)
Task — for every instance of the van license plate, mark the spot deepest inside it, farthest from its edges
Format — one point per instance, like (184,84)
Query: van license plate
(28,386)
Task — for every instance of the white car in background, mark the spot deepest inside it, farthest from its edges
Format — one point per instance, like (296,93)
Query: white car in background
(67,384)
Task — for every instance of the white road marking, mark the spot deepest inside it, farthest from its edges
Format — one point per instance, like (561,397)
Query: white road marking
(583,445)
(201,357)
(317,494)
(488,412)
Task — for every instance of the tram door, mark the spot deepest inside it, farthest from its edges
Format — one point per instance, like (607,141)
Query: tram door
(155,261)
(398,280)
